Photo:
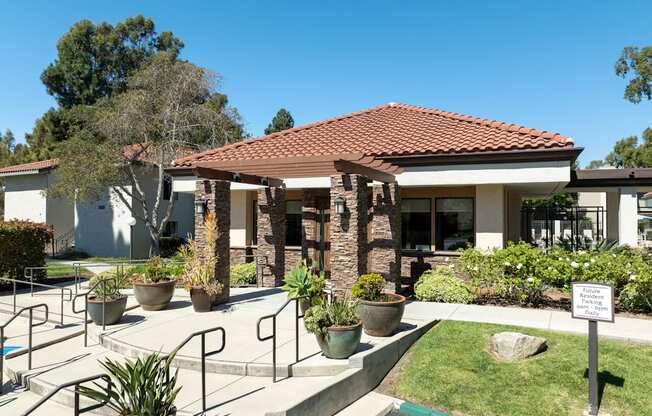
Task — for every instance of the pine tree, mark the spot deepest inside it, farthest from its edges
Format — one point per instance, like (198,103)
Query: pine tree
(282,121)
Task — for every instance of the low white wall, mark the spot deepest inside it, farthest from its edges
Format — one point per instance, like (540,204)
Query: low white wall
(489,217)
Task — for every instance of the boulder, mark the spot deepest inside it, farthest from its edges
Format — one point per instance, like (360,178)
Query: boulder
(514,346)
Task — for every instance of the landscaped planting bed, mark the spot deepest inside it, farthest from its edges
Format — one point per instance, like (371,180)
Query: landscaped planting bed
(449,369)
(524,275)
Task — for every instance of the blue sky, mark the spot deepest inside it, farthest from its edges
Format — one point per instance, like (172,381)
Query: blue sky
(543,64)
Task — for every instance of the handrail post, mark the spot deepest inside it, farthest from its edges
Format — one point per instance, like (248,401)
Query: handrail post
(29,342)
(2,358)
(76,410)
(274,349)
(103,305)
(61,306)
(14,296)
(203,372)
(296,329)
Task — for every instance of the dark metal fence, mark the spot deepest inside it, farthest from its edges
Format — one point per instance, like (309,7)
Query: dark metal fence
(574,228)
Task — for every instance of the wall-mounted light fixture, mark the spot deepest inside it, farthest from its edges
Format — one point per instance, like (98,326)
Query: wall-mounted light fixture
(340,205)
(200,206)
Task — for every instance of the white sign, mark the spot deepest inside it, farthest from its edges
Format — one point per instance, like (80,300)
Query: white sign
(592,301)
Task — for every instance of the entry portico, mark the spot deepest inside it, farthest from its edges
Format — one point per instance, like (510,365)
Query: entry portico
(393,190)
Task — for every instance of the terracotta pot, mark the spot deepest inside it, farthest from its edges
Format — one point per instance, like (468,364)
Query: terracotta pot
(114,309)
(201,301)
(154,296)
(381,319)
(340,342)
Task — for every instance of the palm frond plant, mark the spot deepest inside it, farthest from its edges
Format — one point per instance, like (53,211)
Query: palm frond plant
(143,387)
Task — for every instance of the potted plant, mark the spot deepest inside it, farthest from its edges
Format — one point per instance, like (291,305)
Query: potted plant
(336,326)
(154,287)
(380,312)
(106,299)
(199,272)
(141,387)
(300,282)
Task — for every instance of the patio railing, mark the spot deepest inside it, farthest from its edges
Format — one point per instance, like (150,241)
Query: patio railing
(76,383)
(62,291)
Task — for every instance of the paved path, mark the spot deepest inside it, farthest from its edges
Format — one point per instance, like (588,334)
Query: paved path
(627,329)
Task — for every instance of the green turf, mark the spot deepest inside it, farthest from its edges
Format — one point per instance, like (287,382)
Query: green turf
(449,369)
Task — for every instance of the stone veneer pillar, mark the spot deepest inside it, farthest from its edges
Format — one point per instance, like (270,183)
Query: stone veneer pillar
(271,234)
(217,195)
(348,232)
(385,242)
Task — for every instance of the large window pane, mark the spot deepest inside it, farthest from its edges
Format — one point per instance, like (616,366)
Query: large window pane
(454,223)
(416,227)
(293,223)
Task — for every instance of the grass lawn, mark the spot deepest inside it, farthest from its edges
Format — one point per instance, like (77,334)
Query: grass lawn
(58,271)
(448,369)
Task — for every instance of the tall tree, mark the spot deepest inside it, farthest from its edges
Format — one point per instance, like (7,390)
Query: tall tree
(168,107)
(94,61)
(282,121)
(636,63)
(596,164)
(629,153)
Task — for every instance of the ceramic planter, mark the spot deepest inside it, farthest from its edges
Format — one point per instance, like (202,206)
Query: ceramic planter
(340,342)
(115,308)
(201,301)
(154,296)
(381,319)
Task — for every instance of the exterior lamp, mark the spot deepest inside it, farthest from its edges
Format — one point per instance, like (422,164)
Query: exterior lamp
(340,205)
(200,206)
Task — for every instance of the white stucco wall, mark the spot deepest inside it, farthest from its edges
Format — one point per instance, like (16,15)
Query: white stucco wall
(24,197)
(238,232)
(489,216)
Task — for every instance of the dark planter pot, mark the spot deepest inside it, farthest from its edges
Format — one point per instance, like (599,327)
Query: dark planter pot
(201,301)
(154,296)
(114,310)
(381,319)
(340,342)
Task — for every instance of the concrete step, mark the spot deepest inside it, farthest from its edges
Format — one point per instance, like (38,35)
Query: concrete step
(371,404)
(14,404)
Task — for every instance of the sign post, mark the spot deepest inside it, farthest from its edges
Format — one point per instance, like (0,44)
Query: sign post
(593,302)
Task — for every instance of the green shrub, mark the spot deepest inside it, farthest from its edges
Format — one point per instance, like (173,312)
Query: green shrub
(169,246)
(337,313)
(637,293)
(442,285)
(243,274)
(22,244)
(369,287)
(107,285)
(301,281)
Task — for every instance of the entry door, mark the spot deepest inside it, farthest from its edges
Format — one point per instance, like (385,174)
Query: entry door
(323,238)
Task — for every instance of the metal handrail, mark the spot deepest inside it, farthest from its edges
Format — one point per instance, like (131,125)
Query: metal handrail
(273,335)
(76,383)
(85,310)
(32,284)
(29,343)
(204,354)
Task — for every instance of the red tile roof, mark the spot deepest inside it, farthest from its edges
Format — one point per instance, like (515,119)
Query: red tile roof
(26,167)
(388,130)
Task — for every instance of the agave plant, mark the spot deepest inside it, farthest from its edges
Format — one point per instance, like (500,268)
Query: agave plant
(297,281)
(143,387)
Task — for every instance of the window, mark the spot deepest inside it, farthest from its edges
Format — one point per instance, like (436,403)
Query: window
(293,223)
(454,223)
(170,229)
(416,226)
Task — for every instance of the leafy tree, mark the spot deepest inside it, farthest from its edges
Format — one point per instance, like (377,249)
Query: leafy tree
(562,200)
(637,64)
(282,121)
(628,153)
(94,61)
(596,164)
(168,107)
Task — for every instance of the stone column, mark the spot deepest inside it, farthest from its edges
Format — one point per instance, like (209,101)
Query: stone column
(309,223)
(271,234)
(348,232)
(385,242)
(217,195)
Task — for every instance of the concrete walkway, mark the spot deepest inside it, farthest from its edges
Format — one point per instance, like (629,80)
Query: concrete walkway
(625,329)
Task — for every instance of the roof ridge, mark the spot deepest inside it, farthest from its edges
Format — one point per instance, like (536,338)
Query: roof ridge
(517,128)
(244,142)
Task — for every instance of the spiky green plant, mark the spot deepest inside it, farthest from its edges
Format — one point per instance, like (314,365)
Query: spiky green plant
(137,388)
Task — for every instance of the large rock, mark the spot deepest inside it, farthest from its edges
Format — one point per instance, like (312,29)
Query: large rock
(514,346)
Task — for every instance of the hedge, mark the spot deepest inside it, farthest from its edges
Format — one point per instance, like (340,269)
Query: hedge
(22,244)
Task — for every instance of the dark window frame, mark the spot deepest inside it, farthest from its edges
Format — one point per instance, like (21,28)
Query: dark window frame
(437,230)
(430,227)
(293,243)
